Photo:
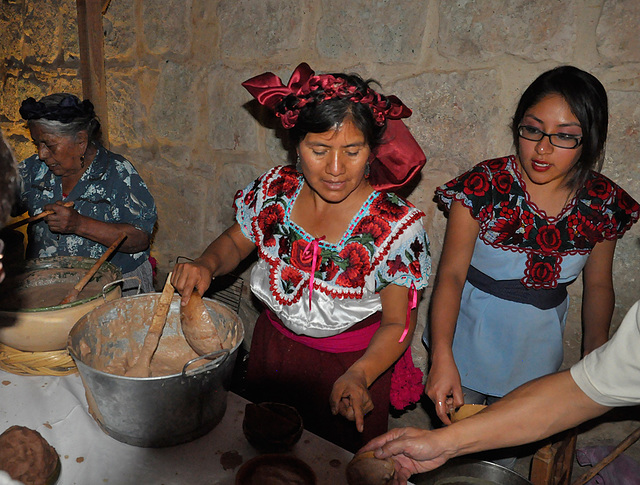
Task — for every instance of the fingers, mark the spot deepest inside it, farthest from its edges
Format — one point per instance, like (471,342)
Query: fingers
(443,410)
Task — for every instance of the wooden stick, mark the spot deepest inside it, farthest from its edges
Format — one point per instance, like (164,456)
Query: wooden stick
(626,443)
(42,215)
(75,291)
(141,366)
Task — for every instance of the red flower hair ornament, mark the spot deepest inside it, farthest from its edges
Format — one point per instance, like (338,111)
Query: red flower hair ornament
(397,159)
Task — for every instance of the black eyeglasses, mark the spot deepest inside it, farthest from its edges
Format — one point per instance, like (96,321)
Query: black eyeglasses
(560,140)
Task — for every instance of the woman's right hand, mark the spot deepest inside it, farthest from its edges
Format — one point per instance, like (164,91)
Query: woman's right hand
(444,387)
(187,276)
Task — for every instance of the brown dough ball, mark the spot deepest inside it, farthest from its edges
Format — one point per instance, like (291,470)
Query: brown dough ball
(366,469)
(26,456)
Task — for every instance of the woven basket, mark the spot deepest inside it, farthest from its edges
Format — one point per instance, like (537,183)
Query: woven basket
(52,363)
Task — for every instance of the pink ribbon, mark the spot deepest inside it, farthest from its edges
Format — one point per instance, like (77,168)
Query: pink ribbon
(411,304)
(315,244)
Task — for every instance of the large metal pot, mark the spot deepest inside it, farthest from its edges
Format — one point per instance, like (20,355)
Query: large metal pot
(164,410)
(45,328)
(465,471)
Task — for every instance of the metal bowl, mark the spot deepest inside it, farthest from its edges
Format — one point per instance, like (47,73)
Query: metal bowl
(466,471)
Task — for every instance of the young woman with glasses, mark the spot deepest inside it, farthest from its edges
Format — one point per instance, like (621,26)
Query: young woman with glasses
(520,230)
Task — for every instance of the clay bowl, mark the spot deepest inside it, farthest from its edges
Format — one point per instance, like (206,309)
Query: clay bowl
(271,427)
(275,469)
(465,411)
(366,469)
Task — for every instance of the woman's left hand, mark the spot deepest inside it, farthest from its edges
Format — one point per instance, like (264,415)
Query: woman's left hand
(64,220)
(350,397)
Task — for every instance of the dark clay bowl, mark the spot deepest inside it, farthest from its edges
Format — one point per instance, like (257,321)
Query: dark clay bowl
(271,427)
(275,469)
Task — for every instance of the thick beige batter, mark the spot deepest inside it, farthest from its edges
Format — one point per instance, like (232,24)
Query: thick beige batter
(45,296)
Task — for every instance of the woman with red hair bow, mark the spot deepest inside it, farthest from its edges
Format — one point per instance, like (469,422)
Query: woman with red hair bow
(342,259)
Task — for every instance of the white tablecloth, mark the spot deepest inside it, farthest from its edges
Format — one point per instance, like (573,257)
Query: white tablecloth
(56,407)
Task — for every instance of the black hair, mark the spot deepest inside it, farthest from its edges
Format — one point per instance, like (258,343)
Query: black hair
(587,99)
(319,114)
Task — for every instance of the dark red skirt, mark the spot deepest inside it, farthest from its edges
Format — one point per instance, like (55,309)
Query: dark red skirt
(282,370)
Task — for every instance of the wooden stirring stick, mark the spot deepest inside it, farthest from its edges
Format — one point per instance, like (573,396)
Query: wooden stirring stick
(75,291)
(141,366)
(42,215)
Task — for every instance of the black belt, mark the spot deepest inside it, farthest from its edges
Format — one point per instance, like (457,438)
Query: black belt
(514,290)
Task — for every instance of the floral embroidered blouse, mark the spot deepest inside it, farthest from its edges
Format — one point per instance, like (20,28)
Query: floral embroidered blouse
(494,193)
(500,344)
(385,244)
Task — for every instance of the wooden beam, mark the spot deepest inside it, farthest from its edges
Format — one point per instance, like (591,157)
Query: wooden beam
(91,40)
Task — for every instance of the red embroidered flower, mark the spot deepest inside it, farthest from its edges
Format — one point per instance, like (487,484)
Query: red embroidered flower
(477,183)
(599,187)
(416,247)
(358,264)
(285,186)
(376,226)
(507,224)
(329,268)
(486,213)
(290,278)
(302,255)
(503,181)
(284,244)
(549,238)
(585,232)
(249,198)
(627,203)
(527,221)
(270,218)
(385,207)
(396,265)
(542,273)
(414,267)
(497,164)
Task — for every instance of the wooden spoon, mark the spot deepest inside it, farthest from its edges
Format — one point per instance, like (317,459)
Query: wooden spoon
(37,217)
(141,366)
(198,327)
(75,291)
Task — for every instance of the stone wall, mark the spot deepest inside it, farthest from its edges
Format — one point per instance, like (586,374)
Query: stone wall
(178,112)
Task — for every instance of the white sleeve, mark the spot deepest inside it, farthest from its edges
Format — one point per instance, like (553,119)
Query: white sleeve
(610,375)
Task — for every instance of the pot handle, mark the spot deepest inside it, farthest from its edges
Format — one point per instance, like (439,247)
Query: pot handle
(121,280)
(218,357)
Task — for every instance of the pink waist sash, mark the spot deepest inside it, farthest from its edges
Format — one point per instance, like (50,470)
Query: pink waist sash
(406,379)
(350,341)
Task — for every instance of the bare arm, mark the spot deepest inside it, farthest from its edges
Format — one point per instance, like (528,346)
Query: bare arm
(66,220)
(443,381)
(534,411)
(350,396)
(221,257)
(598,298)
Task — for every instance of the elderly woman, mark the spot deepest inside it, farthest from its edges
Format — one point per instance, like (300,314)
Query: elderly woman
(342,259)
(95,195)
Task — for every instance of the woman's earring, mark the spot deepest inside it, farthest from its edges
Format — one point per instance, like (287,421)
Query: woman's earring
(367,169)
(82,161)
(298,165)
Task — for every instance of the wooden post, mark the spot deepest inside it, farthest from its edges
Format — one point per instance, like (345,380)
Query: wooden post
(91,40)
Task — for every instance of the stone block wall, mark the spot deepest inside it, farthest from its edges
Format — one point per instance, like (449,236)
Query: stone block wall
(178,112)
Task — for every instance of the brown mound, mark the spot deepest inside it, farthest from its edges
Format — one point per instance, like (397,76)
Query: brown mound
(26,456)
